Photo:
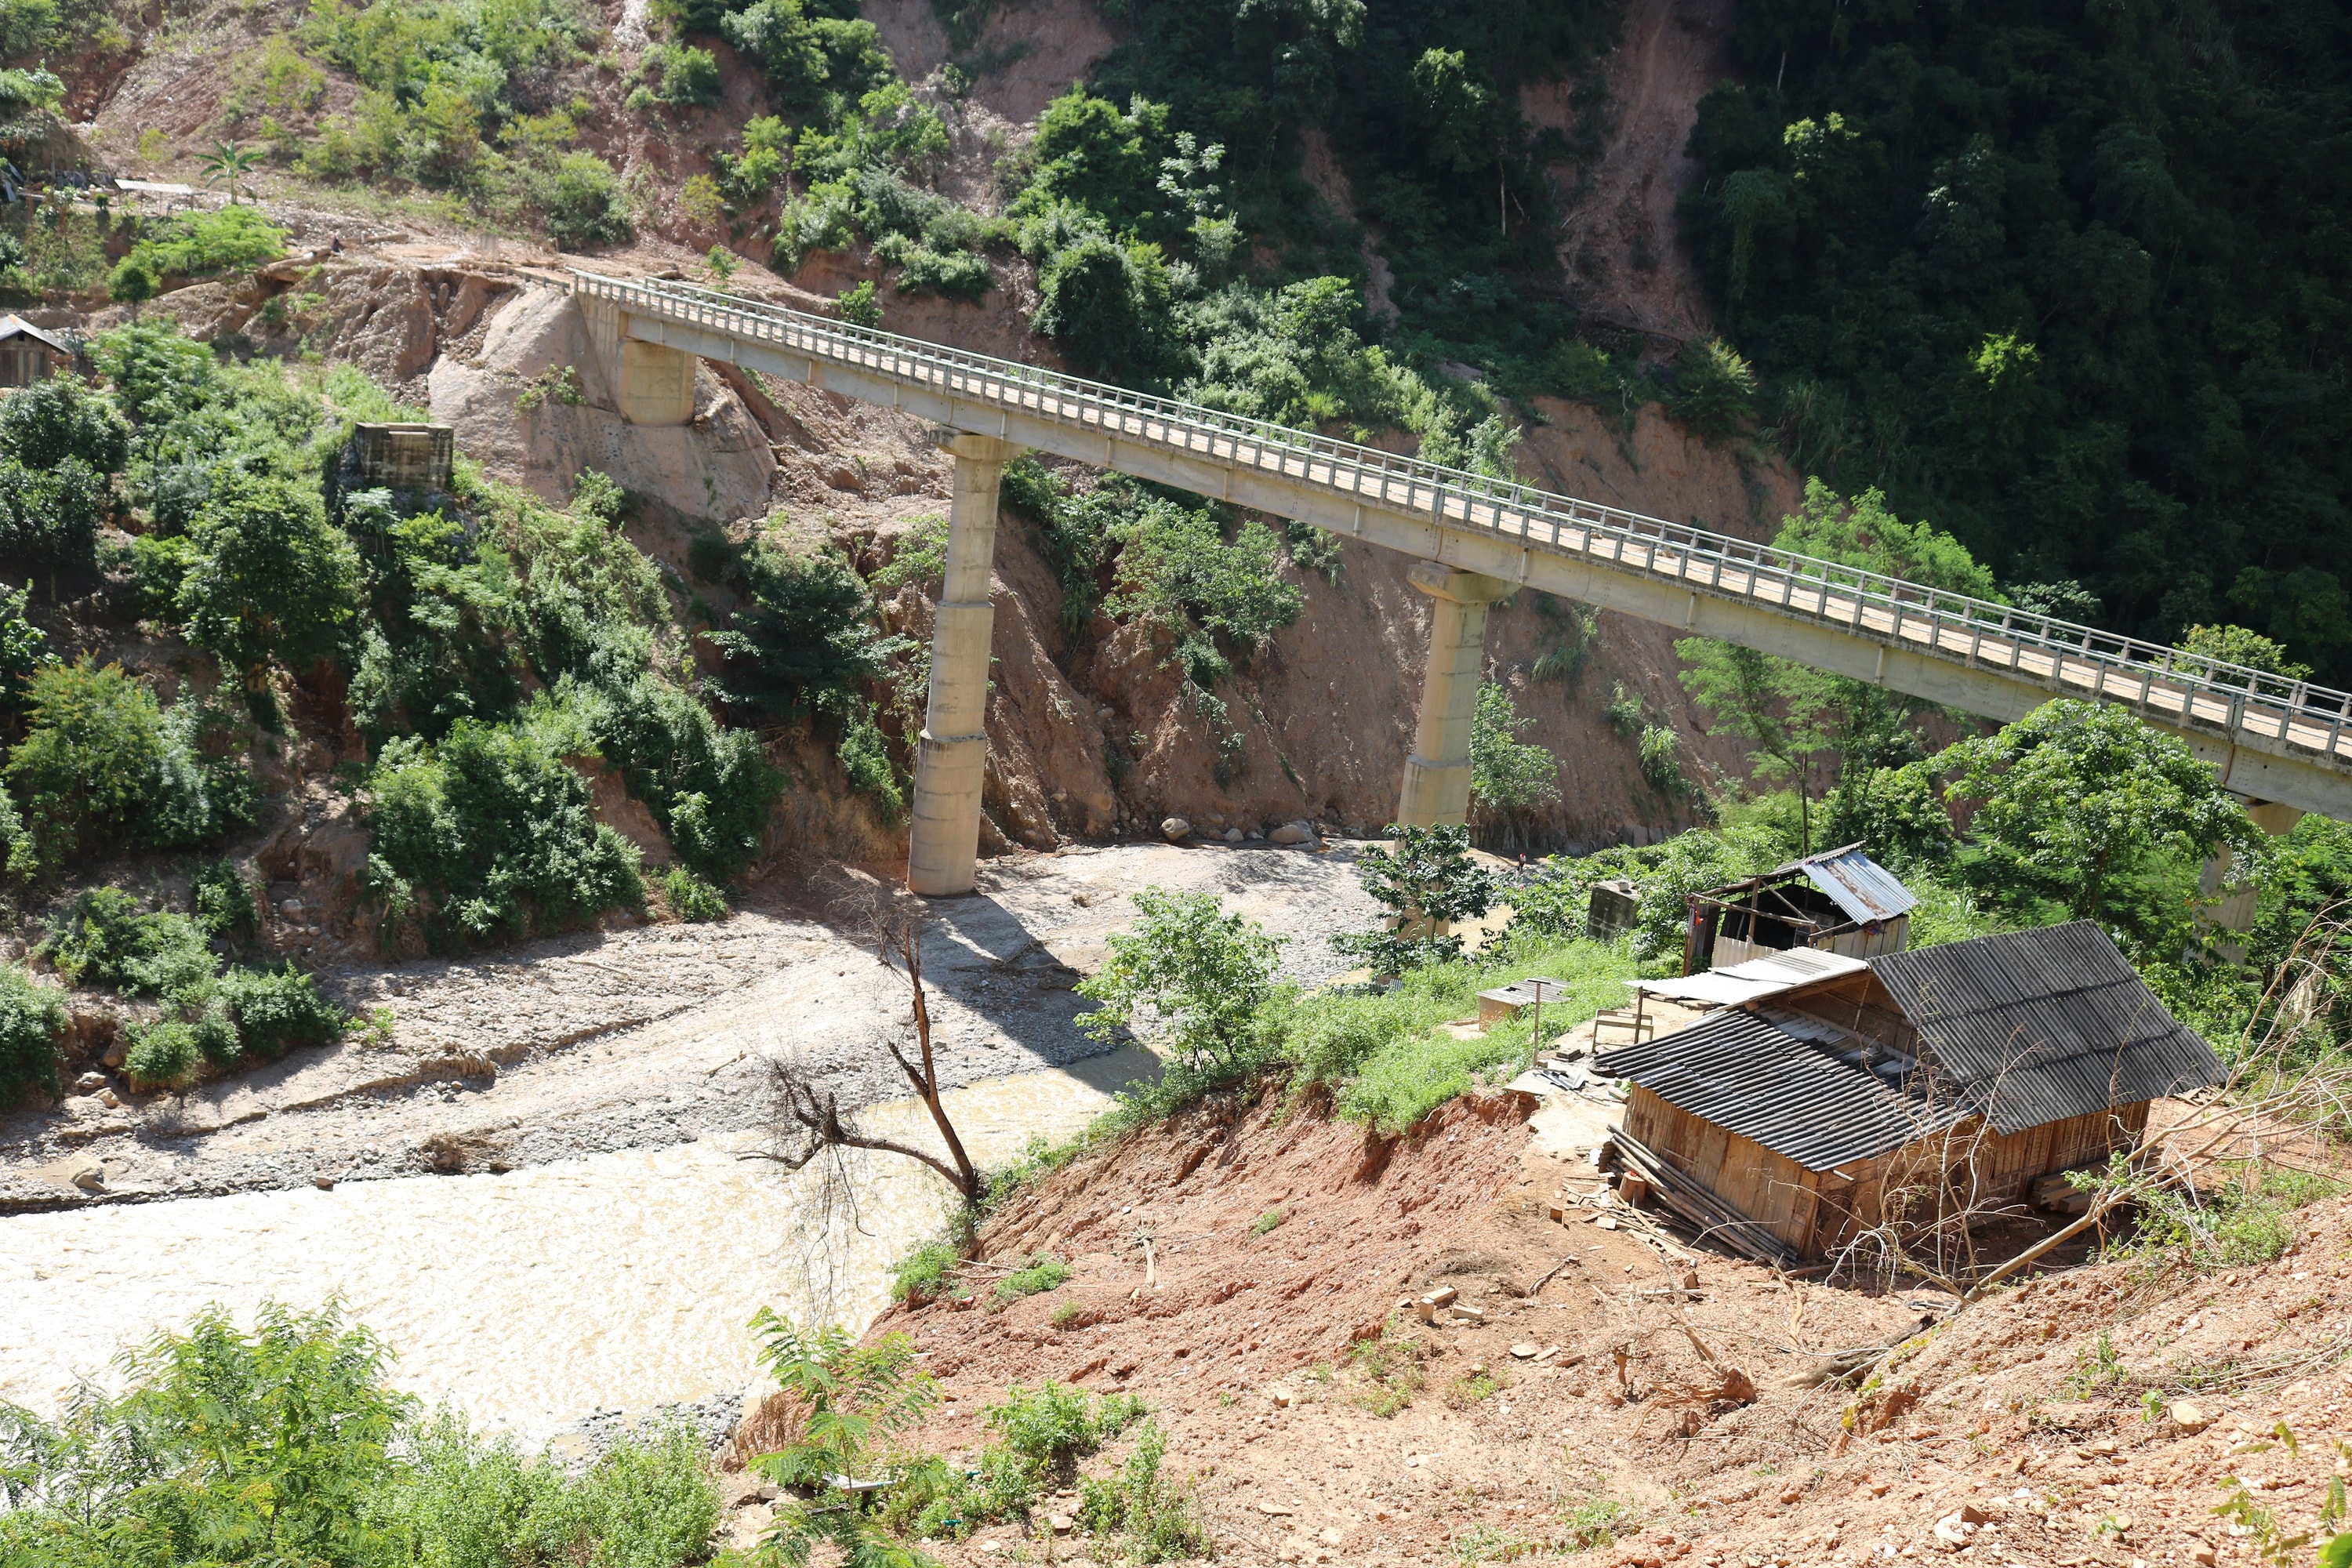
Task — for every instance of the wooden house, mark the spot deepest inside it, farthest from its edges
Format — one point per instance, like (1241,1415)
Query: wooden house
(29,355)
(1840,900)
(1912,1088)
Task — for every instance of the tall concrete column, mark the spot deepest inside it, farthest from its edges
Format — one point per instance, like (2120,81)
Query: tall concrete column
(2232,886)
(944,841)
(1437,775)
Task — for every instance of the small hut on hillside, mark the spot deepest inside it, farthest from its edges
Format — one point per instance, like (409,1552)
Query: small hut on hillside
(1840,900)
(29,355)
(1913,1088)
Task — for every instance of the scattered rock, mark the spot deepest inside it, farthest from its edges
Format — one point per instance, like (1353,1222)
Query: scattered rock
(2202,1555)
(1329,1536)
(1175,829)
(1063,1524)
(91,1082)
(1282,1397)
(992,1548)
(1274,1510)
(1292,833)
(1233,835)
(1469,1314)
(324,1184)
(2190,1417)
(109,1099)
(91,1177)
(1105,715)
(1527,1350)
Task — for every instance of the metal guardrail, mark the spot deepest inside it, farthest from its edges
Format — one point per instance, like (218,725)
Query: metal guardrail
(2184,690)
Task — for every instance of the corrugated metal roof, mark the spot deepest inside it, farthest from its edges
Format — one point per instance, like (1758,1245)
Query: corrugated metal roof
(1739,1072)
(17,326)
(1859,886)
(2039,1026)
(1738,983)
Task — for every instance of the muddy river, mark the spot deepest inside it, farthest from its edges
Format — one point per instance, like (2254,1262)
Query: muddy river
(532,1299)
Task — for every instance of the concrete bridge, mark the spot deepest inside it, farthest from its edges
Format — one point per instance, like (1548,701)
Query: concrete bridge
(2281,744)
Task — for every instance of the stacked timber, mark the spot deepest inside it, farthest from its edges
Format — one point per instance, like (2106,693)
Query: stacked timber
(1691,1200)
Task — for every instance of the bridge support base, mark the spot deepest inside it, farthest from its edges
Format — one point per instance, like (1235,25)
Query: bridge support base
(657,384)
(1437,775)
(944,841)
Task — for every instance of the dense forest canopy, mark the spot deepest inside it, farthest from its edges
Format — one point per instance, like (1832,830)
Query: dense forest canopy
(2069,278)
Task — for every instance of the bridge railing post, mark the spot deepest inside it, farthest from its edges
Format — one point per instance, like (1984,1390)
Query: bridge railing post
(943,842)
(1437,773)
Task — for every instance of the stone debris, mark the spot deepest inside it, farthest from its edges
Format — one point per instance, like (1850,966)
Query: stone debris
(1175,829)
(1292,833)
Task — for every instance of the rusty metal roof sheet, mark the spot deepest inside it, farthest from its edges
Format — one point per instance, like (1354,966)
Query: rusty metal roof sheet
(1859,886)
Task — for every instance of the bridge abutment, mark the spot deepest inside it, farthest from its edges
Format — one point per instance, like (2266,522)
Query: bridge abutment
(943,842)
(1437,773)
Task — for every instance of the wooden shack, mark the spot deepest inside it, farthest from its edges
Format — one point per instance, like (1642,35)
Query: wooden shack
(28,355)
(1914,1089)
(1840,900)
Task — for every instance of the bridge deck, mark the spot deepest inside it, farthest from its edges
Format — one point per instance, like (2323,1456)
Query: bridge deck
(2274,739)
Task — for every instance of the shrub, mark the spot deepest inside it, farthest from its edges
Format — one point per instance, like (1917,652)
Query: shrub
(857,305)
(50,516)
(925,1274)
(692,898)
(1427,881)
(89,758)
(1202,975)
(43,424)
(583,204)
(163,1052)
(1034,1277)
(31,1019)
(488,835)
(1267,1222)
(1162,1523)
(223,901)
(680,74)
(1713,390)
(276,1009)
(198,243)
(707,786)
(24,651)
(807,635)
(270,578)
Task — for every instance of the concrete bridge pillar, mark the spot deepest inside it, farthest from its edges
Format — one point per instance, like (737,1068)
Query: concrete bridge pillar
(2236,905)
(1437,773)
(944,840)
(657,384)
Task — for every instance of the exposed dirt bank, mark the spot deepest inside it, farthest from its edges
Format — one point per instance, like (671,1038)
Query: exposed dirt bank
(2038,1428)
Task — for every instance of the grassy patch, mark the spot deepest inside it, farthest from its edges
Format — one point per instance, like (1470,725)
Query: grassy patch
(1390,1367)
(1269,1221)
(1038,1276)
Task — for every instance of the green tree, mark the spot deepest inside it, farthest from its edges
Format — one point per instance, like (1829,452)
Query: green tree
(43,424)
(1780,709)
(806,635)
(228,162)
(1197,974)
(272,579)
(23,649)
(88,762)
(32,1017)
(260,1446)
(1427,880)
(1508,777)
(857,1400)
(2238,645)
(2085,806)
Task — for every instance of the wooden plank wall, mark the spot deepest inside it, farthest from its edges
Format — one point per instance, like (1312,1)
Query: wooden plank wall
(1816,1211)
(1770,1188)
